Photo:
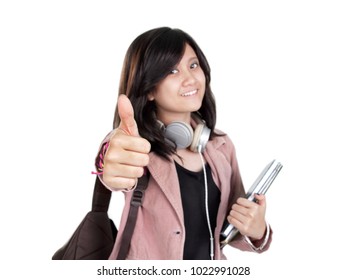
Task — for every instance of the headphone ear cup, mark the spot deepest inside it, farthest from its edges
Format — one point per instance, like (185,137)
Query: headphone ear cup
(200,139)
(179,133)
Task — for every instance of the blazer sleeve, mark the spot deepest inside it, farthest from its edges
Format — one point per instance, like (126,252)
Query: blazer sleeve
(238,190)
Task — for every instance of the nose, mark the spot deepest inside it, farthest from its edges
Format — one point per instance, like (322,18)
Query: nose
(188,78)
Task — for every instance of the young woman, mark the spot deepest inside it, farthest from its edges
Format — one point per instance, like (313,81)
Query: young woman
(164,98)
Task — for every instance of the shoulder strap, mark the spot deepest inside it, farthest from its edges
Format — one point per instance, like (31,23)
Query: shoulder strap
(136,202)
(101,197)
(101,202)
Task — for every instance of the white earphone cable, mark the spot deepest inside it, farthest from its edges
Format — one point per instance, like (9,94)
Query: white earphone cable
(206,205)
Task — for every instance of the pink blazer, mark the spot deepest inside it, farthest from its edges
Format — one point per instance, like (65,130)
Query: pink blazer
(159,232)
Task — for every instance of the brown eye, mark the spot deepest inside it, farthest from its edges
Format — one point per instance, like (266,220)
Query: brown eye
(194,65)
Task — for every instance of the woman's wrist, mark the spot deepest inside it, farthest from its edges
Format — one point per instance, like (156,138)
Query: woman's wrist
(258,245)
(99,161)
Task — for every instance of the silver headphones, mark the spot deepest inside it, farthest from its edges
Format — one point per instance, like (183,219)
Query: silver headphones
(183,136)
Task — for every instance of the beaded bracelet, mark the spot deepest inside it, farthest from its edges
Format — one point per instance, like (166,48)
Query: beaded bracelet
(99,161)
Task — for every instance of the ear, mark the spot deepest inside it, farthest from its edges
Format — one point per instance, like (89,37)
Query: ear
(150,96)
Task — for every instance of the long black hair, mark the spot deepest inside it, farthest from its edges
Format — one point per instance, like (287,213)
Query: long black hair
(148,61)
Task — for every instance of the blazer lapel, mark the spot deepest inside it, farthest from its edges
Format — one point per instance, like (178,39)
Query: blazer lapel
(165,174)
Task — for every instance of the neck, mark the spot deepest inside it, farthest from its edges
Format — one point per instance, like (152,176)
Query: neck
(169,118)
(189,160)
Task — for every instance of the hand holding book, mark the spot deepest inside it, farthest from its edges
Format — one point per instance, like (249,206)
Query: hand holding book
(260,186)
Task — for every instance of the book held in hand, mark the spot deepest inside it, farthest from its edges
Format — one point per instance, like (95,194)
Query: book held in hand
(260,186)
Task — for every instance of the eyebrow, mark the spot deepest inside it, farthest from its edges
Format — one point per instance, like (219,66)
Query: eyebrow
(193,58)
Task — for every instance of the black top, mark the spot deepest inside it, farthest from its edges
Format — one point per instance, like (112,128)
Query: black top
(192,186)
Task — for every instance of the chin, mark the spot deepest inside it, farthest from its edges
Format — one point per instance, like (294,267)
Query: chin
(190,107)
(196,107)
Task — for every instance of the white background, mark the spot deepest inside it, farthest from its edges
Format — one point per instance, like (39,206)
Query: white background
(278,73)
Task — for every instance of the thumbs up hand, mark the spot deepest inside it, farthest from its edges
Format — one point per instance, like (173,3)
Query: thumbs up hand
(127,154)
(126,114)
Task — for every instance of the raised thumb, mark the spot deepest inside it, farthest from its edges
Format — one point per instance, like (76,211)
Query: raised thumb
(126,115)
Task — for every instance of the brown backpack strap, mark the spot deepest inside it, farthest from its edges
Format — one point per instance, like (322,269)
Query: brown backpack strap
(136,202)
(101,197)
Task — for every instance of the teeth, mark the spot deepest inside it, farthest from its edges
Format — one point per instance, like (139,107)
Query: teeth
(189,93)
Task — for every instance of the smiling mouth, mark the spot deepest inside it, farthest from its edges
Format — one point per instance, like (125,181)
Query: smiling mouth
(189,93)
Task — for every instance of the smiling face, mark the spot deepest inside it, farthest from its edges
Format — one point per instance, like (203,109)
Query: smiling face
(182,91)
